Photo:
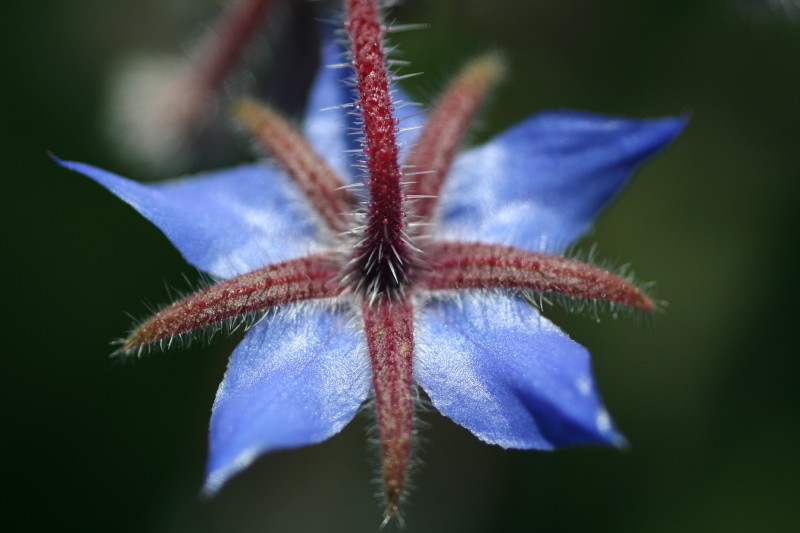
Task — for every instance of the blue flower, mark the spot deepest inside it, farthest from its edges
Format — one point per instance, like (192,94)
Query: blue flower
(431,299)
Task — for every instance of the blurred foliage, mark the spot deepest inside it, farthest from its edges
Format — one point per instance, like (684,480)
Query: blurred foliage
(706,393)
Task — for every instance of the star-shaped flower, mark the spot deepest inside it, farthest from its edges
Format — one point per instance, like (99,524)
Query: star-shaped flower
(405,271)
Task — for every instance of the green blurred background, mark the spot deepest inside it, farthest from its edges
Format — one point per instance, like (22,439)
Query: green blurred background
(707,394)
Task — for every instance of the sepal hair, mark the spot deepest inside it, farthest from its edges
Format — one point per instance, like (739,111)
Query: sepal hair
(182,341)
(368,413)
(596,308)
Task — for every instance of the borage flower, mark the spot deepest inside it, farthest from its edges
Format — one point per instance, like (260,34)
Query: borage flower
(373,280)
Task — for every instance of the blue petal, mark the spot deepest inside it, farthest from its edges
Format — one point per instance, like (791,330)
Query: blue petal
(297,378)
(494,365)
(332,128)
(227,222)
(539,185)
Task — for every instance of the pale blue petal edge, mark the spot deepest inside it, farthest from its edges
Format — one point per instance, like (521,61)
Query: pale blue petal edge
(297,378)
(227,222)
(540,184)
(333,128)
(494,365)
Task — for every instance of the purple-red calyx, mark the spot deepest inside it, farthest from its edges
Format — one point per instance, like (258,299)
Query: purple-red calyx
(384,254)
(383,260)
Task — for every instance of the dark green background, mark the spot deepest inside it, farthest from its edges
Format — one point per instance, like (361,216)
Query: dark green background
(708,394)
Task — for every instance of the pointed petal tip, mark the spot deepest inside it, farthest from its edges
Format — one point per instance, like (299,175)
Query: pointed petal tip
(607,432)
(69,165)
(296,379)
(661,128)
(674,125)
(621,443)
(521,382)
(87,170)
(217,477)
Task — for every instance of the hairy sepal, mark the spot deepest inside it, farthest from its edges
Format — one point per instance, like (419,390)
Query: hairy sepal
(448,122)
(462,265)
(384,257)
(306,278)
(319,182)
(389,328)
